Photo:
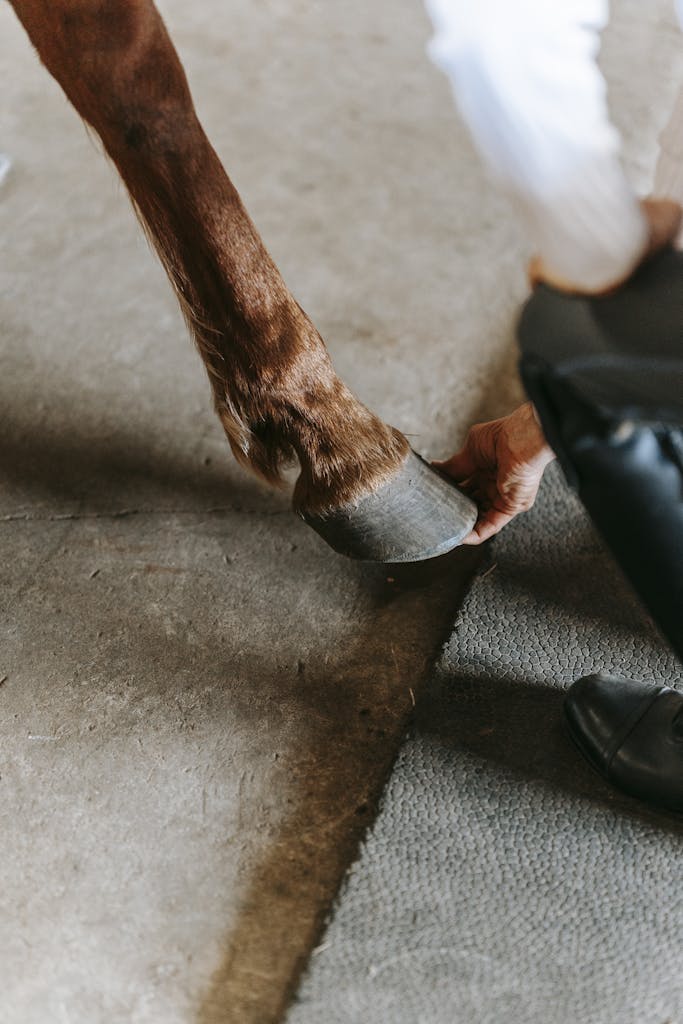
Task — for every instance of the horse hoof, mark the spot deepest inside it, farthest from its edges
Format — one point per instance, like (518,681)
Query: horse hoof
(417,514)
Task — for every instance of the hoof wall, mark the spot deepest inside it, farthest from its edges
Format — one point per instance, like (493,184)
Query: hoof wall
(417,514)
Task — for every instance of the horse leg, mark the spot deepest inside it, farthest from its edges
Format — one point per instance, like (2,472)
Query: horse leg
(274,387)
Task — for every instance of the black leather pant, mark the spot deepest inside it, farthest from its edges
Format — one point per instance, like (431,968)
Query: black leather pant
(606,377)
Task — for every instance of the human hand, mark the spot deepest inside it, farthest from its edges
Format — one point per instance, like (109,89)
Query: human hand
(500,466)
(663,220)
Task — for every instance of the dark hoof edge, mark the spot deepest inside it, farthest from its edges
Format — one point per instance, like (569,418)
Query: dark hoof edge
(417,514)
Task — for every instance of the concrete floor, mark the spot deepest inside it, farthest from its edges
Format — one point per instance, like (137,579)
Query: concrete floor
(200,702)
(503,879)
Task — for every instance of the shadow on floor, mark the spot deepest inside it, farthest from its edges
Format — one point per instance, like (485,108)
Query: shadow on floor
(348,707)
(520,726)
(106,471)
(336,788)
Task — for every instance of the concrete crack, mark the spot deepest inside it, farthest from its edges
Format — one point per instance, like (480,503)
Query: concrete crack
(11,517)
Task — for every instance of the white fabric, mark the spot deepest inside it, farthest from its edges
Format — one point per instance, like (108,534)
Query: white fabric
(669,170)
(525,78)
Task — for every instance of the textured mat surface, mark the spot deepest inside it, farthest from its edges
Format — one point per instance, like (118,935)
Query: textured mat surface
(503,880)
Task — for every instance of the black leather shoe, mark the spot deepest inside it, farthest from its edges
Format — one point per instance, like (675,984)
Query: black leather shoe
(632,733)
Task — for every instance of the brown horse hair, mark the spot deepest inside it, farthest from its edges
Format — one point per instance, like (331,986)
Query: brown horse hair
(275,390)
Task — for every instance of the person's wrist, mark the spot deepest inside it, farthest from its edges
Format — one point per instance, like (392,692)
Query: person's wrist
(662,223)
(539,448)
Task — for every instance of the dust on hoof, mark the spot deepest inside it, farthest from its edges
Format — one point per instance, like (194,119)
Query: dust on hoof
(417,514)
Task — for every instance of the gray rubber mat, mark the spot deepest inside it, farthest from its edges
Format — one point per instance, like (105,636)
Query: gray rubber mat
(504,880)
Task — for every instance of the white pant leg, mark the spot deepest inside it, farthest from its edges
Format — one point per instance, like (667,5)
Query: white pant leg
(525,79)
(669,170)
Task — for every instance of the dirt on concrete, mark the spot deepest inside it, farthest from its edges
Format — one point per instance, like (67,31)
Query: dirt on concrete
(199,701)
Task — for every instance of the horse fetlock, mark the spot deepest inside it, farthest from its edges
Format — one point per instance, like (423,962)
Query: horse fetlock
(344,452)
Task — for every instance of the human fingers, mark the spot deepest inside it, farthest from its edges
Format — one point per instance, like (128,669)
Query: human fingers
(459,466)
(488,525)
(477,453)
